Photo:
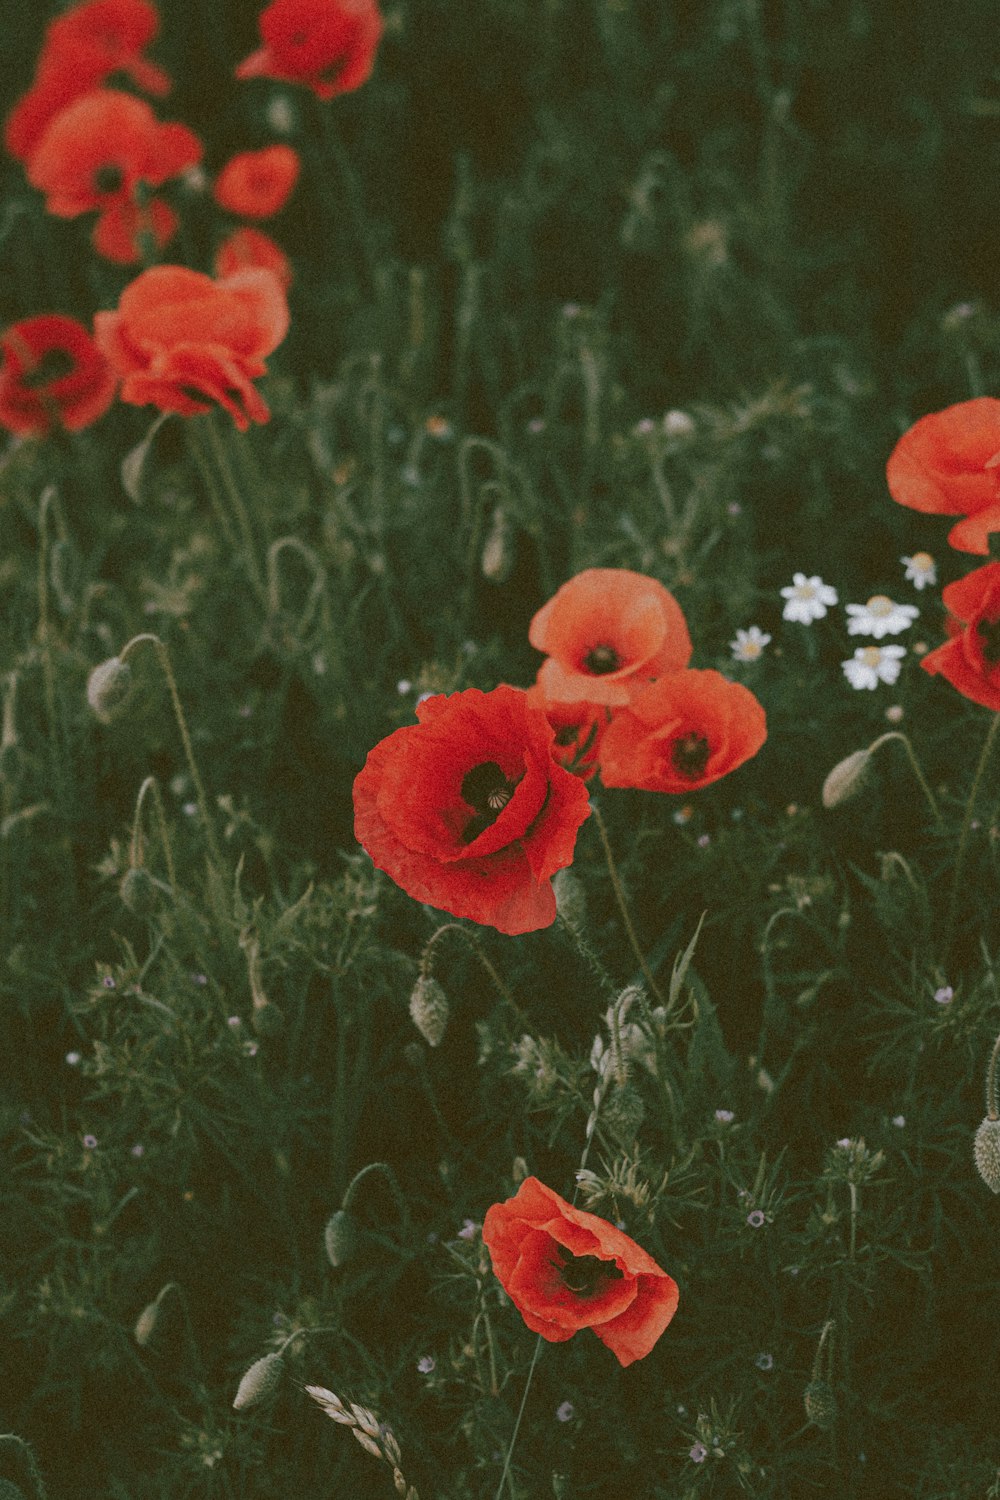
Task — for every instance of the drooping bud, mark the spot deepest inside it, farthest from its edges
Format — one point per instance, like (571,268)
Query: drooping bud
(846,779)
(109,686)
(145,1323)
(519,1170)
(498,549)
(340,1238)
(139,891)
(259,1382)
(986,1151)
(571,899)
(820,1404)
(429,1010)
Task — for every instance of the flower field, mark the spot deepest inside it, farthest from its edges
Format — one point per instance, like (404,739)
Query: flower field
(499,781)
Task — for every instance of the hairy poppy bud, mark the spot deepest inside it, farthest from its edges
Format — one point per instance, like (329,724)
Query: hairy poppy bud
(259,1382)
(986,1151)
(623,1112)
(498,550)
(139,891)
(846,779)
(145,1325)
(340,1238)
(109,686)
(820,1404)
(571,899)
(429,1010)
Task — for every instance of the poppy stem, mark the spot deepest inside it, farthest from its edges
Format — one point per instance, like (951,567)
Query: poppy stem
(136,855)
(616,886)
(520,1414)
(236,500)
(992,1099)
(426,964)
(896,734)
(963,839)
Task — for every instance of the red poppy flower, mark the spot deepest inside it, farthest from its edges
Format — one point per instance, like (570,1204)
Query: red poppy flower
(119,230)
(252,247)
(96,152)
(52,373)
(970,660)
(469,811)
(579,729)
(681,733)
(83,48)
(606,633)
(184,342)
(946,464)
(565,1269)
(256,184)
(328,45)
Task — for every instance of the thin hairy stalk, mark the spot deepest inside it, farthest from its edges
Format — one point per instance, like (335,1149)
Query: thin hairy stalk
(616,886)
(963,840)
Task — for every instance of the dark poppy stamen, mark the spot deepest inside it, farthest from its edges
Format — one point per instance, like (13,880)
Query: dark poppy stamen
(487,790)
(108,179)
(989,636)
(566,734)
(53,365)
(601,660)
(585,1275)
(690,755)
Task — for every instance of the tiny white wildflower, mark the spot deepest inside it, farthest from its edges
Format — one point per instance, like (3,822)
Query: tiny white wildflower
(764,1361)
(426,1364)
(945,995)
(565,1412)
(749,644)
(899,1121)
(880,616)
(73,1059)
(807,599)
(678,423)
(698,1453)
(724,1116)
(871,665)
(920,570)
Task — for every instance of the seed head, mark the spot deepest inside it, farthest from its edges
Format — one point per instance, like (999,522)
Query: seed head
(340,1237)
(259,1382)
(846,779)
(109,686)
(986,1151)
(429,1010)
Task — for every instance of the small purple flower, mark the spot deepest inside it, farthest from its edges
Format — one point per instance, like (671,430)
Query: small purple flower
(697,1453)
(403,686)
(199,979)
(108,982)
(426,1364)
(845,1143)
(137,1150)
(190,809)
(734,508)
(536,425)
(945,995)
(704,839)
(233,1022)
(764,1362)
(90,1142)
(899,1121)
(565,1412)
(755,1218)
(725,1116)
(469,1230)
(73,1059)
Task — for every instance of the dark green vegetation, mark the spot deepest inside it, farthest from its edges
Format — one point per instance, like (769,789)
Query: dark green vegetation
(568,216)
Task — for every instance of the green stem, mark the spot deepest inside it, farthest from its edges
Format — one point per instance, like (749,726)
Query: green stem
(215,499)
(135,843)
(616,885)
(236,500)
(992,1099)
(520,1414)
(896,734)
(964,835)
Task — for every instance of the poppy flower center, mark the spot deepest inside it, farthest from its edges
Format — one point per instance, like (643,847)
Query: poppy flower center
(689,755)
(53,365)
(566,734)
(487,791)
(585,1275)
(108,179)
(988,632)
(601,659)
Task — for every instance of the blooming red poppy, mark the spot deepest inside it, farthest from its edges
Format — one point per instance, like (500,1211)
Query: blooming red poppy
(682,732)
(83,48)
(946,464)
(607,632)
(184,342)
(98,151)
(119,231)
(328,45)
(257,184)
(469,811)
(252,247)
(970,660)
(565,1269)
(579,729)
(51,374)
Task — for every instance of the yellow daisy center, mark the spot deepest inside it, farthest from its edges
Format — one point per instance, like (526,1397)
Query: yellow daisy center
(871,655)
(880,604)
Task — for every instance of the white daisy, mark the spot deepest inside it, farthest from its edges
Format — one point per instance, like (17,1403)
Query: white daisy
(879,617)
(921,569)
(808,599)
(749,644)
(871,665)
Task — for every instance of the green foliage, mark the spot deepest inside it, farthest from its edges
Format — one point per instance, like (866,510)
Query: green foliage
(631,284)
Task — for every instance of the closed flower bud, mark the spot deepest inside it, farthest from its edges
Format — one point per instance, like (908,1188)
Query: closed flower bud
(259,1382)
(139,891)
(498,549)
(108,688)
(571,899)
(846,779)
(518,1170)
(340,1237)
(429,1010)
(820,1404)
(987,1153)
(145,1325)
(623,1112)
